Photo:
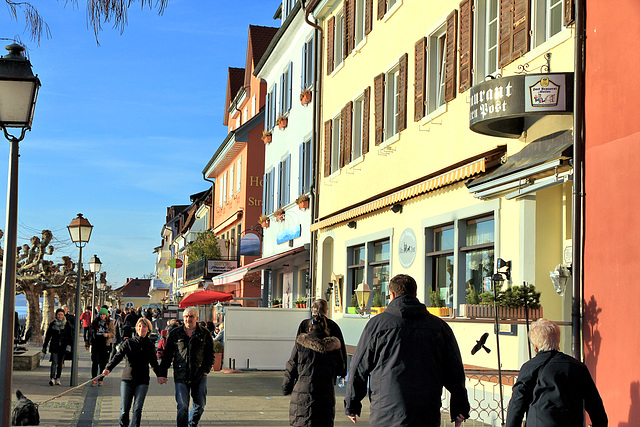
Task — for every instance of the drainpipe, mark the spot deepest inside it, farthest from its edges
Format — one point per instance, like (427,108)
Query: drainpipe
(577,231)
(315,188)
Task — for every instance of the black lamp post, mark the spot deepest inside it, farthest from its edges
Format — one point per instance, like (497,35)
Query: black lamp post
(80,232)
(18,92)
(94,266)
(497,280)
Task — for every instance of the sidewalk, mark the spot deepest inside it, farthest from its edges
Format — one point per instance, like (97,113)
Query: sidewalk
(251,399)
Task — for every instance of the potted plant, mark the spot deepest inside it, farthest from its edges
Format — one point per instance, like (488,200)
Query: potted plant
(282,121)
(305,96)
(437,305)
(279,214)
(301,303)
(353,309)
(377,305)
(218,352)
(276,303)
(266,136)
(263,221)
(303,202)
(512,303)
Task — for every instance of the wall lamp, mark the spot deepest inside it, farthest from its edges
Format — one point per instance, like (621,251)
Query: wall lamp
(397,208)
(352,224)
(504,264)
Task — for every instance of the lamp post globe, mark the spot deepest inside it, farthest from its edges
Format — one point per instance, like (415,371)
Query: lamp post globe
(94,266)
(80,232)
(18,93)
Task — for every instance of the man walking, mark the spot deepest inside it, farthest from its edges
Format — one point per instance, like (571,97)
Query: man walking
(406,355)
(190,348)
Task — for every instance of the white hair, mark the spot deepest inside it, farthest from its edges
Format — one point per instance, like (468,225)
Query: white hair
(193,310)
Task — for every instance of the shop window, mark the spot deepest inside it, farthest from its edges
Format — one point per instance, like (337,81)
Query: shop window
(442,259)
(478,253)
(379,270)
(355,267)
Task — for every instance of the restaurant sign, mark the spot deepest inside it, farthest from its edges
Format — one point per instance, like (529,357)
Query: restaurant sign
(499,106)
(217,266)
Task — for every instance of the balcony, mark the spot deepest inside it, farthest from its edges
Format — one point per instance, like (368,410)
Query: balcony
(197,270)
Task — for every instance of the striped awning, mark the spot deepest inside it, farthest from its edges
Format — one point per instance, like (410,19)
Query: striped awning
(454,175)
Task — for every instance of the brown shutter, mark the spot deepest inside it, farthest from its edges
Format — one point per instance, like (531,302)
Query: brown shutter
(343,137)
(521,26)
(368,16)
(402,92)
(366,112)
(506,26)
(419,84)
(466,43)
(352,24)
(331,30)
(569,12)
(346,124)
(378,94)
(450,56)
(327,148)
(382,8)
(345,29)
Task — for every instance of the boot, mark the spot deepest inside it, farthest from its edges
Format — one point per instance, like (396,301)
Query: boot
(51,382)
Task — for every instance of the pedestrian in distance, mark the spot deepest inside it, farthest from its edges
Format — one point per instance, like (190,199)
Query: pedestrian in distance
(320,307)
(190,348)
(138,352)
(162,343)
(59,339)
(406,355)
(553,389)
(85,318)
(310,375)
(102,332)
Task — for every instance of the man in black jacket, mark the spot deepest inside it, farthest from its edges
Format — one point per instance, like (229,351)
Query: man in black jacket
(554,389)
(190,348)
(407,355)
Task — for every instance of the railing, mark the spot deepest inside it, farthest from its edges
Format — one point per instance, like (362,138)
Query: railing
(484,397)
(196,269)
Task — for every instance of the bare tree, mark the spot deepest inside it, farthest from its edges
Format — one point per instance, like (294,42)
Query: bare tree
(99,12)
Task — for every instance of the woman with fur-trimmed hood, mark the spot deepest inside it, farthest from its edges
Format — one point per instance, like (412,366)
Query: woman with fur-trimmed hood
(310,376)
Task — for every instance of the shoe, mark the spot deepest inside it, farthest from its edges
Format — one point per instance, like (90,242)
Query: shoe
(94,383)
(51,381)
(58,381)
(99,382)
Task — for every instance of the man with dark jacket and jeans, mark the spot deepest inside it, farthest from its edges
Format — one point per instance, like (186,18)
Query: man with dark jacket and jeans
(190,348)
(406,355)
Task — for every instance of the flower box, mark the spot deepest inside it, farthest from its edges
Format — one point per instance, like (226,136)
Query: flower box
(282,122)
(439,311)
(480,311)
(266,137)
(279,214)
(305,97)
(303,205)
(377,310)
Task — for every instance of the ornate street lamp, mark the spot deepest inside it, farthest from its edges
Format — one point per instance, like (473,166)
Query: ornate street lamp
(362,295)
(80,232)
(18,92)
(101,287)
(94,266)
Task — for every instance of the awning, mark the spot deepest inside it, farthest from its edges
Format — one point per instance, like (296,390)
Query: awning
(454,175)
(238,274)
(204,298)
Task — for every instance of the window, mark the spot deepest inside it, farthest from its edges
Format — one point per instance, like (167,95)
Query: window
(487,24)
(232,176)
(391,102)
(443,263)
(436,49)
(268,192)
(335,144)
(478,252)
(379,270)
(270,108)
(284,178)
(390,105)
(358,123)
(285,89)
(338,40)
(239,177)
(304,171)
(360,21)
(287,6)
(308,57)
(548,20)
(355,266)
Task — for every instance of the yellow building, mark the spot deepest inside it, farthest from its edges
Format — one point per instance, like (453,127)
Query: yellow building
(405,186)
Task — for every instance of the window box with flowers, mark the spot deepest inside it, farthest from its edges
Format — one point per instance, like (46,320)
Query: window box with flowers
(300,303)
(303,202)
(516,303)
(266,137)
(263,221)
(279,214)
(305,96)
(282,122)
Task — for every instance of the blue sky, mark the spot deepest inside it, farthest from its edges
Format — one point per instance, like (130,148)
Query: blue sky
(124,129)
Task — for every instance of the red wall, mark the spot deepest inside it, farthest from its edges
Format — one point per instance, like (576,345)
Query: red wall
(612,207)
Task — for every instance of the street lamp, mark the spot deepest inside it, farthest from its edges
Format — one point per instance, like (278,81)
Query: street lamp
(498,279)
(18,92)
(94,266)
(101,287)
(362,295)
(80,232)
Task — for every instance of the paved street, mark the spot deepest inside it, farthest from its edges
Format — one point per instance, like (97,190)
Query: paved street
(251,398)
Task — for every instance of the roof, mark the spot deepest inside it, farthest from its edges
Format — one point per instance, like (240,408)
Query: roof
(135,288)
(259,63)
(235,80)
(259,40)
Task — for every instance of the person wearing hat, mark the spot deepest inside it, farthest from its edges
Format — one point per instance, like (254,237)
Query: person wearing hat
(58,337)
(102,331)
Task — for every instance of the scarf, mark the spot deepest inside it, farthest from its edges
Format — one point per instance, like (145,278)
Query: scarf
(59,324)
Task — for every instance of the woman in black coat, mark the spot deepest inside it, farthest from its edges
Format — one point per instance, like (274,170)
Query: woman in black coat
(310,376)
(57,338)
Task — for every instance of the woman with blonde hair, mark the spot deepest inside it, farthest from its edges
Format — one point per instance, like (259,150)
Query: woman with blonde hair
(139,352)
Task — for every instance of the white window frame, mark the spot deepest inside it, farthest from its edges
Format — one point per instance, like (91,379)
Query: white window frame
(335,143)
(357,125)
(392,6)
(436,61)
(285,89)
(338,39)
(360,36)
(270,108)
(484,26)
(232,177)
(308,68)
(305,162)
(284,181)
(542,11)
(391,102)
(239,175)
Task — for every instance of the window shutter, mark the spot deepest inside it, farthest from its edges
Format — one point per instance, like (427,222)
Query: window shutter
(450,56)
(352,24)
(343,136)
(301,169)
(366,109)
(308,161)
(327,148)
(368,16)
(378,94)
(287,174)
(290,86)
(303,73)
(346,124)
(466,43)
(521,26)
(279,185)
(382,8)
(506,27)
(331,32)
(569,12)
(402,92)
(264,193)
(272,188)
(266,119)
(345,29)
(420,78)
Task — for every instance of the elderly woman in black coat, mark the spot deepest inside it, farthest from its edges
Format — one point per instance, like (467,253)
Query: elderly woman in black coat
(310,376)
(57,338)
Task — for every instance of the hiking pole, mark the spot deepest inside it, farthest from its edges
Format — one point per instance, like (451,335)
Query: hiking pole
(69,391)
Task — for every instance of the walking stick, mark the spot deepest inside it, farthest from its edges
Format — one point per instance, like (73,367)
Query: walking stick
(69,391)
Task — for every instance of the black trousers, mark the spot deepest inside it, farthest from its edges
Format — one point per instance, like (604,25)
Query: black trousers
(99,359)
(57,359)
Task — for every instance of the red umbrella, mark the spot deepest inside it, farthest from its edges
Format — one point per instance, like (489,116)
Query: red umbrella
(204,298)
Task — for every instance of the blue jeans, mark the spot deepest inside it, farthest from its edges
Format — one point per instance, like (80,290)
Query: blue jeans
(129,391)
(198,392)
